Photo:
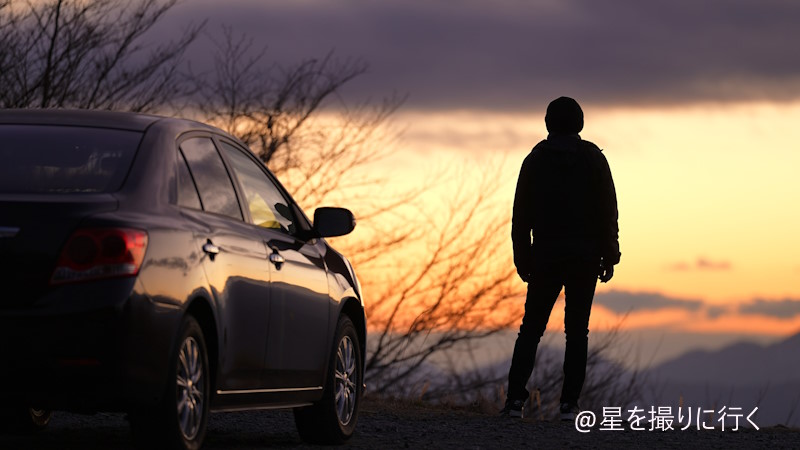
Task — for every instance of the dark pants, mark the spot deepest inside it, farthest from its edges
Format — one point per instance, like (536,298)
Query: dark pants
(579,279)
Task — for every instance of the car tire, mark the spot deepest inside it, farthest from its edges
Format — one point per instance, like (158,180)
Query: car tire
(24,419)
(332,420)
(39,418)
(180,420)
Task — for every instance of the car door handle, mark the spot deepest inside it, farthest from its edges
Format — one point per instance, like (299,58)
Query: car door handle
(277,259)
(210,248)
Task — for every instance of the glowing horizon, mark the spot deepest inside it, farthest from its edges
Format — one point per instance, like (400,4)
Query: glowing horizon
(706,197)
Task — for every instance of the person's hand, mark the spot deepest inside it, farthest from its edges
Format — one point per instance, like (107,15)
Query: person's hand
(606,272)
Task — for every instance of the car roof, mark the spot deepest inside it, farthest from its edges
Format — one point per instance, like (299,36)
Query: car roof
(77,117)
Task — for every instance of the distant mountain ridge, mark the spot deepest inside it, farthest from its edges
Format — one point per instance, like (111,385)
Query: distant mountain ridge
(738,364)
(742,375)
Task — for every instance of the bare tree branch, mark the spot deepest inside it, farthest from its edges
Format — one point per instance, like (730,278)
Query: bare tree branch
(89,54)
(457,292)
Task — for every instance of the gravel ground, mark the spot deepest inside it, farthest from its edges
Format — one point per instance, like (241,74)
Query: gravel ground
(392,425)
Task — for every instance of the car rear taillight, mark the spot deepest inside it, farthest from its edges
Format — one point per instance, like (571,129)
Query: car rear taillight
(94,253)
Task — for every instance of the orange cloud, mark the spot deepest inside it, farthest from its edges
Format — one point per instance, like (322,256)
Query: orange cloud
(746,324)
(648,310)
(701,263)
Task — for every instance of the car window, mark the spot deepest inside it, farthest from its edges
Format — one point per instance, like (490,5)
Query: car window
(187,192)
(212,180)
(64,159)
(268,207)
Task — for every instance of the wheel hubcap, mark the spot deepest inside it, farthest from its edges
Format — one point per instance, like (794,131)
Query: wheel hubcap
(346,380)
(190,387)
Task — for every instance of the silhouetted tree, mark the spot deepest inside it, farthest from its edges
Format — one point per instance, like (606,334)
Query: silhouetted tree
(88,54)
(464,378)
(294,118)
(455,284)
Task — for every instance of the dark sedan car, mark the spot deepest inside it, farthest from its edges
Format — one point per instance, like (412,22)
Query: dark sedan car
(153,265)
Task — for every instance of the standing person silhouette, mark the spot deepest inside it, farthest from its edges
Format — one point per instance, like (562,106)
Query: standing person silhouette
(565,234)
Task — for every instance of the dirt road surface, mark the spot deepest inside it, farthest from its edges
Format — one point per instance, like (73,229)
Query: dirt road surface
(389,425)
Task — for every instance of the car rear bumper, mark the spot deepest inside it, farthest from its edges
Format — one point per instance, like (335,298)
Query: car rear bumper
(63,354)
(48,358)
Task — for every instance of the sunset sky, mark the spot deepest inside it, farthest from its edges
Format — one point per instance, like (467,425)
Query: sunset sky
(696,105)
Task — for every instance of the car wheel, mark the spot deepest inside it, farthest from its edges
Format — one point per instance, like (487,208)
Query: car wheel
(24,419)
(39,418)
(333,419)
(180,421)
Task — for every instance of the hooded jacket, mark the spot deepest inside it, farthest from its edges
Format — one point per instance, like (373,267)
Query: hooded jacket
(565,206)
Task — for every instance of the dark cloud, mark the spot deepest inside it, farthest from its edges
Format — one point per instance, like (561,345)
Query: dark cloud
(716,311)
(513,54)
(476,138)
(701,264)
(776,308)
(623,301)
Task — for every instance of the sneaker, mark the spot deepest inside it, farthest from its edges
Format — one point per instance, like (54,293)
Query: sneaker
(513,408)
(569,411)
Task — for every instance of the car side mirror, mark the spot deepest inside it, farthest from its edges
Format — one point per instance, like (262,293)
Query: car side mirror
(329,221)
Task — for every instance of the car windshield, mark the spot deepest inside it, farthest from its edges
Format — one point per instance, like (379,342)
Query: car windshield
(64,159)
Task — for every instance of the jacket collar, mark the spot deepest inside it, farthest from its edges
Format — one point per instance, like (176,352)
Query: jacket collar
(563,138)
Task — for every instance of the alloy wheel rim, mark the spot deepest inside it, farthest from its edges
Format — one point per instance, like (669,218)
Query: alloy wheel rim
(190,387)
(345,380)
(38,413)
